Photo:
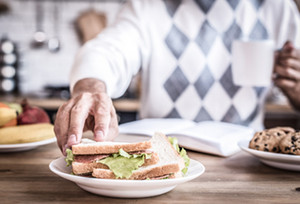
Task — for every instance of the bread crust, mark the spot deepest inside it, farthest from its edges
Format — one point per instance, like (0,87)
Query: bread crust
(99,148)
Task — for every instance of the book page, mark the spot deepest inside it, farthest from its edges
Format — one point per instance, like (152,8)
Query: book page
(150,126)
(213,137)
(212,131)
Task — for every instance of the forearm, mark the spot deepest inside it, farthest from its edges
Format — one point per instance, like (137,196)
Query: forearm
(90,85)
(116,54)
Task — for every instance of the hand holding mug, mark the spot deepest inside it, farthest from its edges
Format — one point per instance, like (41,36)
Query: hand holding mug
(287,70)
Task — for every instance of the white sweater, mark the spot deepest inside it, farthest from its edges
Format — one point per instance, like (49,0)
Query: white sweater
(184,51)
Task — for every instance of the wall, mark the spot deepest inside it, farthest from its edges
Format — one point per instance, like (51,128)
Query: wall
(40,67)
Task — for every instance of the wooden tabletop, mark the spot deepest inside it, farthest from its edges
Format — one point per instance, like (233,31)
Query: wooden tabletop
(25,178)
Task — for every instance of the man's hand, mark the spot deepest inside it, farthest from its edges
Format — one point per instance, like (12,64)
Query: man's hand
(90,108)
(287,70)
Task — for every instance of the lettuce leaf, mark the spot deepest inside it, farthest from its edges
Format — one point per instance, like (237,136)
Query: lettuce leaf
(124,154)
(70,157)
(186,159)
(123,164)
(182,153)
(174,142)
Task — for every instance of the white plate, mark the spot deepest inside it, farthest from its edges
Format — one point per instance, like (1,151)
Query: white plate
(25,146)
(278,160)
(125,188)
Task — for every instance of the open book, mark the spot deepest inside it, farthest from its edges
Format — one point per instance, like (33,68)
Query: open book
(212,137)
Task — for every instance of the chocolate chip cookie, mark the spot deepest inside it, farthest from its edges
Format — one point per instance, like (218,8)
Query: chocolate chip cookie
(290,144)
(268,140)
(287,130)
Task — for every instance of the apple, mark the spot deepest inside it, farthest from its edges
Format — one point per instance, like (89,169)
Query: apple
(32,114)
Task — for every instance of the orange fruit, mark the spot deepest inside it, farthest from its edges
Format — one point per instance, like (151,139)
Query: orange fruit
(8,117)
(13,122)
(3,105)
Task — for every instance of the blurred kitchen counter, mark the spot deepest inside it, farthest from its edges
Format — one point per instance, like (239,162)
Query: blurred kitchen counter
(126,108)
(126,105)
(276,114)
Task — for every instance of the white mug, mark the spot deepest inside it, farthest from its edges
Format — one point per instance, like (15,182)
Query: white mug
(252,62)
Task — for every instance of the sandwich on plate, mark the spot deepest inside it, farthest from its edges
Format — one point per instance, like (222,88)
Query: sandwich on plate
(158,158)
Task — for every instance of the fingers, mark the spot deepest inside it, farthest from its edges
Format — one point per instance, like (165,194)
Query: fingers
(294,53)
(70,120)
(101,112)
(106,121)
(288,73)
(289,56)
(61,125)
(285,84)
(78,116)
(290,62)
(85,112)
(113,126)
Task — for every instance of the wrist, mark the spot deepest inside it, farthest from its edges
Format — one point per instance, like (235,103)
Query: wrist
(88,85)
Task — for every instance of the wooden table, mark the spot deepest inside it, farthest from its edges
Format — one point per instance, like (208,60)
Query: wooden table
(25,178)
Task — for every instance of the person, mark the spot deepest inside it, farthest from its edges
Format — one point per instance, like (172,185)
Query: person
(183,48)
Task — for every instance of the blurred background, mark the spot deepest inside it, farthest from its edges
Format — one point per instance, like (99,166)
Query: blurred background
(46,35)
(38,43)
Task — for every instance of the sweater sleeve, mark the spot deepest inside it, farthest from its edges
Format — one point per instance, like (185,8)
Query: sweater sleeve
(116,54)
(288,25)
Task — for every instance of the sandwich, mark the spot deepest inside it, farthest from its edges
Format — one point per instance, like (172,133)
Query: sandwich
(89,154)
(158,158)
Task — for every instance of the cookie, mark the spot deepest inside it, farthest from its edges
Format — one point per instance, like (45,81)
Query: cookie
(267,140)
(290,144)
(287,130)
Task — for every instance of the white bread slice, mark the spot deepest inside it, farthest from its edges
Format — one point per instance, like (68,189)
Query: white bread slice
(86,168)
(92,148)
(79,168)
(166,152)
(170,162)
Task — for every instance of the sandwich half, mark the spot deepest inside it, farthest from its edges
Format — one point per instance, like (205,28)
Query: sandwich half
(89,154)
(170,164)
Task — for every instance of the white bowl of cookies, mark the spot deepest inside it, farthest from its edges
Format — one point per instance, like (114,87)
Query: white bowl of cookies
(277,147)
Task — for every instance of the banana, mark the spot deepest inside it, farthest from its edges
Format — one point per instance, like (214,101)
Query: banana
(6,115)
(26,133)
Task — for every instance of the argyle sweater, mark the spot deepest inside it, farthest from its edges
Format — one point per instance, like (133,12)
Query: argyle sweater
(183,49)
